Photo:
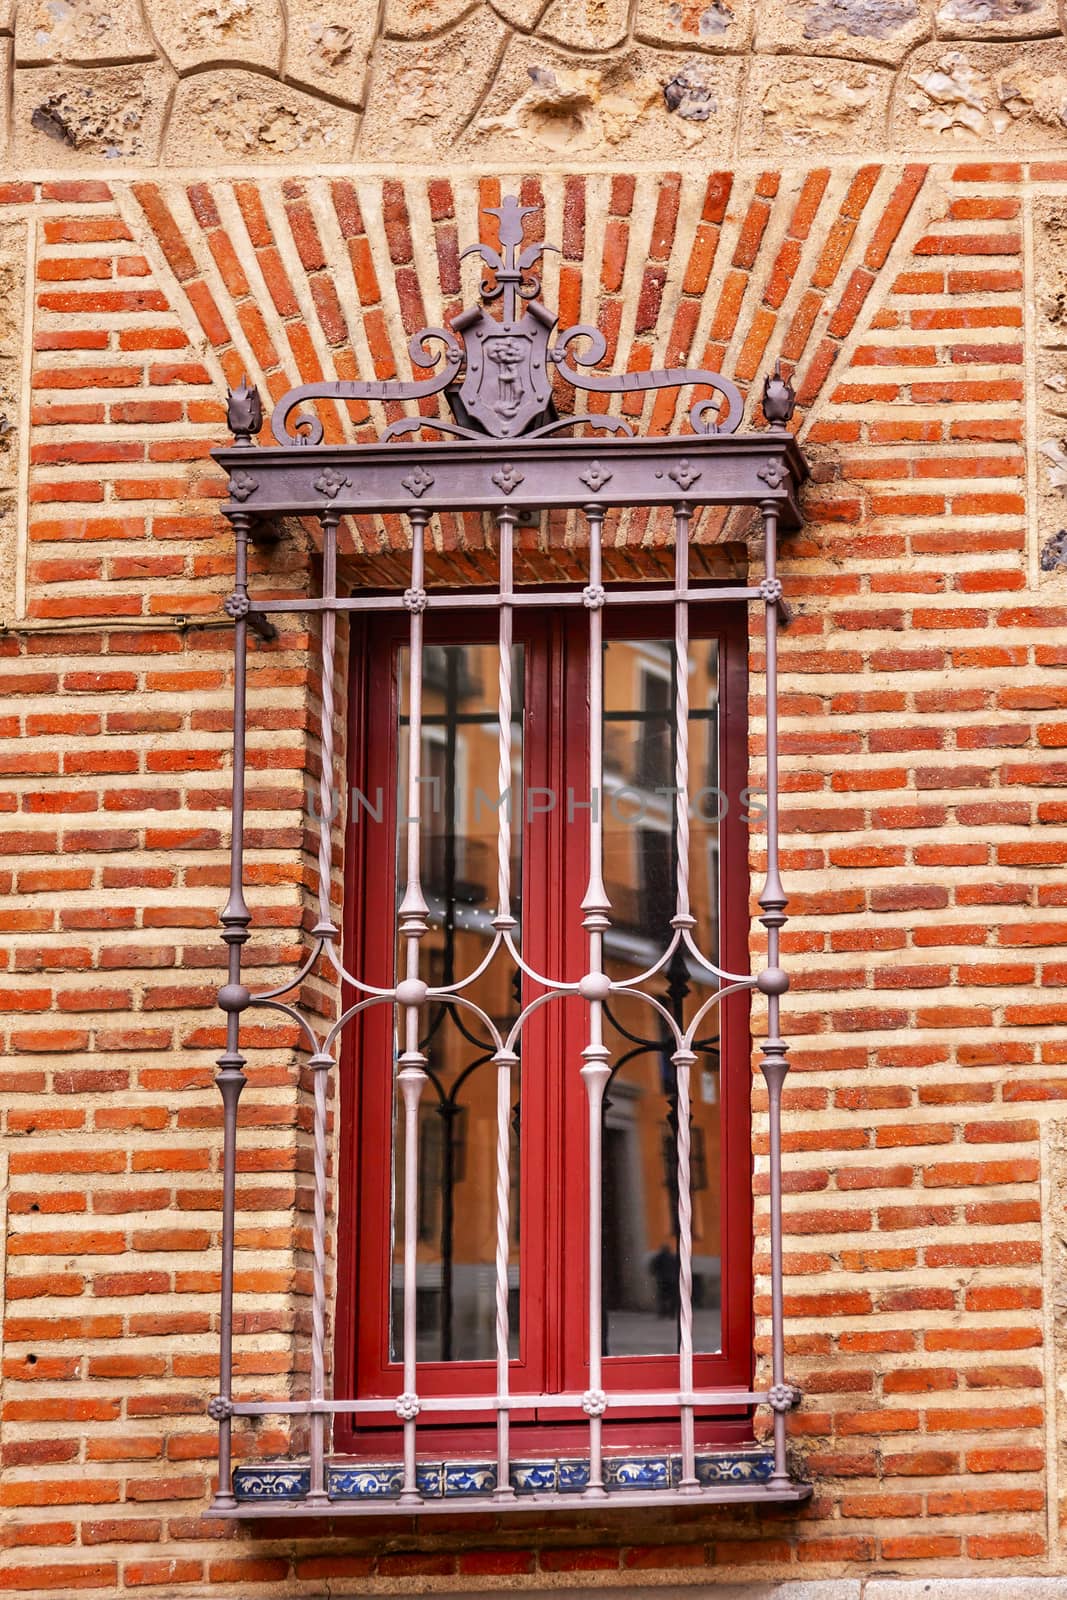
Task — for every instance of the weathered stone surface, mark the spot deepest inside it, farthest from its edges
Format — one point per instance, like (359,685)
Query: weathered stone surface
(766,1589)
(966,1588)
(230,113)
(586,24)
(1050,271)
(421,19)
(805,101)
(12,309)
(722,25)
(871,30)
(67,116)
(1011,94)
(553,105)
(207,31)
(328,47)
(86,31)
(989,19)
(520,13)
(422,96)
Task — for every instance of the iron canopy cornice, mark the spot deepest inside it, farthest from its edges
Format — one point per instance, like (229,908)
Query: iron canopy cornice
(503,442)
(469,475)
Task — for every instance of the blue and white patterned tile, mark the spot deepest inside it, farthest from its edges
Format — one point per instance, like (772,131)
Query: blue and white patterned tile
(572,1476)
(368,1481)
(738,1467)
(534,1477)
(466,1478)
(271,1483)
(381,1481)
(637,1472)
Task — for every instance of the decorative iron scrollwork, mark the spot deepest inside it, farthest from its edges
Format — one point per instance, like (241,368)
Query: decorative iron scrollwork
(504,366)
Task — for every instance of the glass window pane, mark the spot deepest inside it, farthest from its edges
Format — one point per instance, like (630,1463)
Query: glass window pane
(456,1269)
(640,1259)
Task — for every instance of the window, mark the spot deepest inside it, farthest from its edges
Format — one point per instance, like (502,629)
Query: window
(550,846)
(532,993)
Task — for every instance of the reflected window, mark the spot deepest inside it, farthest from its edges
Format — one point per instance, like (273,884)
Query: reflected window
(640,1246)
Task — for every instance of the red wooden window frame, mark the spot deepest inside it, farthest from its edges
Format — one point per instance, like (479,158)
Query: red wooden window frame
(553,1233)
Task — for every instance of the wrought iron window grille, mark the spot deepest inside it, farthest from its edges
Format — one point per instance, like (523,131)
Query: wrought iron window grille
(502,452)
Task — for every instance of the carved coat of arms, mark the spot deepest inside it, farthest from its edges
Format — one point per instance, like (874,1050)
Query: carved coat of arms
(506,386)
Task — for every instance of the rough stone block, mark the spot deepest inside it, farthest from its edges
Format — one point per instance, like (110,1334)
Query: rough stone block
(66,116)
(240,114)
(765,1589)
(813,102)
(419,19)
(874,30)
(996,19)
(328,49)
(1050,270)
(104,31)
(991,95)
(421,96)
(249,31)
(645,104)
(520,13)
(586,24)
(719,25)
(966,1589)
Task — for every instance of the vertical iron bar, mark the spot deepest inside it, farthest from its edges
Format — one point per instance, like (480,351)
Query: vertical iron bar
(448,1108)
(505,1060)
(773,983)
(411,996)
(683,1059)
(594,988)
(320,1064)
(233,998)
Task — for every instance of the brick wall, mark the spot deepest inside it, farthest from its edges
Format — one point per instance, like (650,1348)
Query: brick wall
(923,682)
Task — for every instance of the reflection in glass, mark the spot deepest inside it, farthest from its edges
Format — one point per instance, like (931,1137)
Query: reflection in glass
(640,1169)
(456,1272)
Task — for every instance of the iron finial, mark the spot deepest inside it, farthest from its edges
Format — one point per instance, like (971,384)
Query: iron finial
(510,269)
(779,397)
(244,411)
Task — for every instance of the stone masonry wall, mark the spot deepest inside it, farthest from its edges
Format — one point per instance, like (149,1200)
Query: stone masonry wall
(874,191)
(260,81)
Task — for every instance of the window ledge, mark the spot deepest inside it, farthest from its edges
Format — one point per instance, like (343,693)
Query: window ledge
(281,1488)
